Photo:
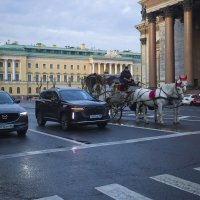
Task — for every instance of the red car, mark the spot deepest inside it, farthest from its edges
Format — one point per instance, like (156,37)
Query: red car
(196,101)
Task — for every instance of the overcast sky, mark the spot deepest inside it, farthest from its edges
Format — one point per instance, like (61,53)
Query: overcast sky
(100,24)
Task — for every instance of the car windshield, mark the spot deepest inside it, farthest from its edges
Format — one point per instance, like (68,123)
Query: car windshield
(5,98)
(73,95)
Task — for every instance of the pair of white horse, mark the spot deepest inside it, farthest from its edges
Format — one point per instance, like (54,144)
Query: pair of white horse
(160,97)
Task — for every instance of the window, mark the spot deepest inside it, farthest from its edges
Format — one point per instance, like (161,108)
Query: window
(9,77)
(51,78)
(44,77)
(78,67)
(65,66)
(17,77)
(29,90)
(16,65)
(72,67)
(1,64)
(18,90)
(36,65)
(1,77)
(84,67)
(9,64)
(65,78)
(78,78)
(29,77)
(72,78)
(29,65)
(37,78)
(44,66)
(58,78)
(10,90)
(2,88)
(37,90)
(58,66)
(51,66)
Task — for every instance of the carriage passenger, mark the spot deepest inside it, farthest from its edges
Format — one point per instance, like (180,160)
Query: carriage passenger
(126,77)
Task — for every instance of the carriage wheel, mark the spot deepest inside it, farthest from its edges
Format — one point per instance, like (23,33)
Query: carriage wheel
(116,113)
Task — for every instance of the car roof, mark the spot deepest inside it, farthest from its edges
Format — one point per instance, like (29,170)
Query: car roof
(63,89)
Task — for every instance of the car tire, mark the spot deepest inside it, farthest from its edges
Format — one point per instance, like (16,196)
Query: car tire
(102,124)
(65,123)
(22,133)
(40,119)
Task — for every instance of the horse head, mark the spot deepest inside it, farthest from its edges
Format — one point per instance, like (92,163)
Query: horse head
(182,82)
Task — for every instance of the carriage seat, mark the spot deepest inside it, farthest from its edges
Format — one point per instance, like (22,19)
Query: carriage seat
(122,87)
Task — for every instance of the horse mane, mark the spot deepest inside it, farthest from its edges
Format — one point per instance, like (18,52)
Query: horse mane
(168,88)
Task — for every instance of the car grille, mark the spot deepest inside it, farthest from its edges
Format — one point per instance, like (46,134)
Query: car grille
(8,117)
(94,110)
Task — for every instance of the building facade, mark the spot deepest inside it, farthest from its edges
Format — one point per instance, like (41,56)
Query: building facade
(170,42)
(27,69)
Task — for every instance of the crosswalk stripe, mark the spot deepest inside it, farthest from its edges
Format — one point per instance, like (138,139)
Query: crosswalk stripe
(198,168)
(119,192)
(179,183)
(55,197)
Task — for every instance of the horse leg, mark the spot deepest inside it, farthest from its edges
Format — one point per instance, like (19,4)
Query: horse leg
(160,114)
(137,111)
(176,112)
(155,115)
(144,114)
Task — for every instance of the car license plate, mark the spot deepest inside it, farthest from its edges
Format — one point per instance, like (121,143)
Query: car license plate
(6,126)
(95,116)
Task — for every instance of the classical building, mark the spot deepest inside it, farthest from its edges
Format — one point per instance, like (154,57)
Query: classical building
(170,42)
(27,69)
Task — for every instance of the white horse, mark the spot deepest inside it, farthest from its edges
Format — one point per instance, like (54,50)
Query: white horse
(157,99)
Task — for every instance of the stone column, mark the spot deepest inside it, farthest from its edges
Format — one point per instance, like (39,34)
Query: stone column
(14,70)
(169,46)
(152,50)
(188,41)
(110,68)
(131,68)
(143,61)
(20,71)
(104,67)
(115,68)
(121,68)
(6,70)
(92,68)
(99,69)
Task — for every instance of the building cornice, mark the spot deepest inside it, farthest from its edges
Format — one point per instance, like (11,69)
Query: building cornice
(163,5)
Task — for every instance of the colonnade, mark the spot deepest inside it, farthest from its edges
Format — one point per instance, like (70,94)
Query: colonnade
(110,68)
(13,65)
(169,14)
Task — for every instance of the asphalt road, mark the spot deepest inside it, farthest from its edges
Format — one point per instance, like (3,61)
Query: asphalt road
(124,161)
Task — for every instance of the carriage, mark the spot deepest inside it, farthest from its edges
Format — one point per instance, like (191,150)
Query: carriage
(108,88)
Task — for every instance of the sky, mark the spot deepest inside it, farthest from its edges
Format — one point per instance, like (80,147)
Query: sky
(99,24)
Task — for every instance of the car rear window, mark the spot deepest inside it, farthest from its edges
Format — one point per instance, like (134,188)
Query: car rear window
(5,98)
(73,95)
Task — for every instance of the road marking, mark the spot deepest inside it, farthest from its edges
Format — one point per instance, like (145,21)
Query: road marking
(184,117)
(87,146)
(198,168)
(55,197)
(179,183)
(119,192)
(57,137)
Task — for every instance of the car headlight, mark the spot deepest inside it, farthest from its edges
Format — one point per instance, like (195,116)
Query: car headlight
(23,114)
(77,108)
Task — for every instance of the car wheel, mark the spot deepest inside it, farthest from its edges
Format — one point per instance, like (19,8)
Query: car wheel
(40,119)
(22,133)
(64,122)
(102,124)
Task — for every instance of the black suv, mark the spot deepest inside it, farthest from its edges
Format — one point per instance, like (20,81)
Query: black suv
(70,106)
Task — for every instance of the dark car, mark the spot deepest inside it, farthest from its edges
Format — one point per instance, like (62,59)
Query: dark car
(13,117)
(70,106)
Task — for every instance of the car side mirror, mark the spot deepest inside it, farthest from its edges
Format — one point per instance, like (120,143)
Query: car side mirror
(17,101)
